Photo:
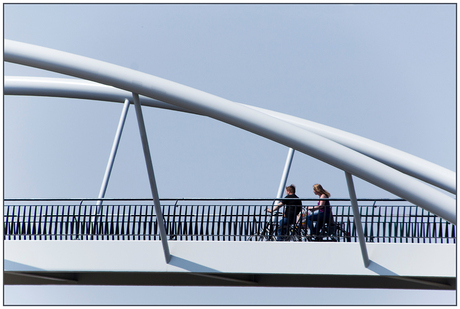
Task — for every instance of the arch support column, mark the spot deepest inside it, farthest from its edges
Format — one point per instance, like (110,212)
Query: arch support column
(153,184)
(113,153)
(357,217)
(287,168)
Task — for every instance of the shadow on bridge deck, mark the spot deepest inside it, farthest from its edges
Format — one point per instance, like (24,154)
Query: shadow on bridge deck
(208,263)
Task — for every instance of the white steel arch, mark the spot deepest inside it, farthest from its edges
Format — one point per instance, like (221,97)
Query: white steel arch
(81,89)
(278,127)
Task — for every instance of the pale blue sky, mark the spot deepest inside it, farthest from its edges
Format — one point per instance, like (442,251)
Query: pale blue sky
(385,72)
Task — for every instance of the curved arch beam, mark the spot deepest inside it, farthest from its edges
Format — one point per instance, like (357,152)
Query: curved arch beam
(81,89)
(76,89)
(237,115)
(414,166)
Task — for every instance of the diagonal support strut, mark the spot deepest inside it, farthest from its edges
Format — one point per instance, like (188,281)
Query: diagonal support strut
(359,227)
(153,185)
(113,153)
(287,168)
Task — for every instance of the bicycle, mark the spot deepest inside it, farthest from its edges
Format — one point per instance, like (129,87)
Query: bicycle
(330,231)
(327,230)
(334,231)
(267,230)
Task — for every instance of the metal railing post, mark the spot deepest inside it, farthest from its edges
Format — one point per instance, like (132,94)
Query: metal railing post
(359,227)
(113,153)
(153,185)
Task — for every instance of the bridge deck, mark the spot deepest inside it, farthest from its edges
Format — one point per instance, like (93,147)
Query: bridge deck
(295,264)
(220,243)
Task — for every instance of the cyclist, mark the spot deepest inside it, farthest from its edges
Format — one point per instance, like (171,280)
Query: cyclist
(324,213)
(292,209)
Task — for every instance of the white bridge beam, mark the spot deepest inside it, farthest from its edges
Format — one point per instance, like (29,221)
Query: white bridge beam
(323,264)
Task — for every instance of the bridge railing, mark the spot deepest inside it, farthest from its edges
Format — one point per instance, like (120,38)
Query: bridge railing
(383,220)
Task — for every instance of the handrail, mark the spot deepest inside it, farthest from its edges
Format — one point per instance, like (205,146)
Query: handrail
(199,199)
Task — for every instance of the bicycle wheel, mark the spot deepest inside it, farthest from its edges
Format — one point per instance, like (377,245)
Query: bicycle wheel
(295,233)
(267,233)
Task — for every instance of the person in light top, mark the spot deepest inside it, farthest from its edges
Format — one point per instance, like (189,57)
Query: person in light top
(320,213)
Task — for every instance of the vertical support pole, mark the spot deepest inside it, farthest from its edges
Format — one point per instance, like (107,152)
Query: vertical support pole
(287,168)
(153,185)
(113,153)
(357,217)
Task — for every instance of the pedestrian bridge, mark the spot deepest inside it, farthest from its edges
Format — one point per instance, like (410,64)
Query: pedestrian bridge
(407,243)
(226,242)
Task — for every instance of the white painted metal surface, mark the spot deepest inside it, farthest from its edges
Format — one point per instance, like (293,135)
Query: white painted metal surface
(152,181)
(113,153)
(284,176)
(402,161)
(357,218)
(323,258)
(238,115)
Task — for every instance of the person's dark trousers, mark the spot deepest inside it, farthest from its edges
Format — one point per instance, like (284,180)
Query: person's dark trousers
(319,217)
(282,231)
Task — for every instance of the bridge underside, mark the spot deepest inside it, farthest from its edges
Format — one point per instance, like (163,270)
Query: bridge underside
(204,279)
(213,263)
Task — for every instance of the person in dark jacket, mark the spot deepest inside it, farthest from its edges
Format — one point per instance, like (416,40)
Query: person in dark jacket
(293,206)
